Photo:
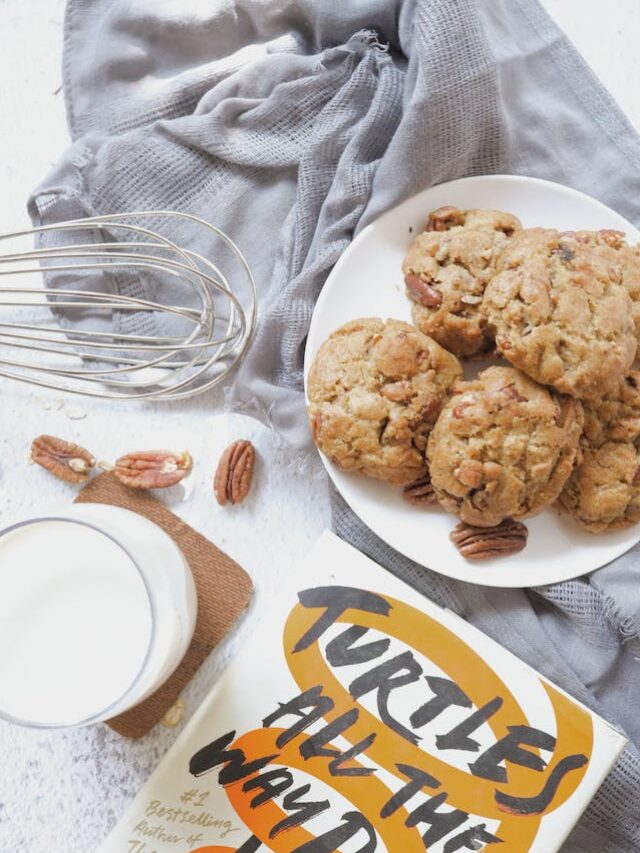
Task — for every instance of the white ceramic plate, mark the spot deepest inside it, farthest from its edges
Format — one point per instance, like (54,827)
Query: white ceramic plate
(367,282)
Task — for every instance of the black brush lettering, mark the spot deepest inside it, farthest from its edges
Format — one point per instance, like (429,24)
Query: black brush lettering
(418,780)
(385,678)
(333,840)
(538,804)
(251,845)
(446,693)
(234,760)
(316,745)
(507,748)
(270,784)
(342,652)
(458,737)
(302,812)
(440,823)
(310,706)
(471,839)
(336,600)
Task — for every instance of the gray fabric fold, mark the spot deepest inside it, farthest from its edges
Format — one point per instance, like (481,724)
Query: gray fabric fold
(291,125)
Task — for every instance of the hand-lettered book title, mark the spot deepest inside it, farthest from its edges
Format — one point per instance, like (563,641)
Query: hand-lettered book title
(397,791)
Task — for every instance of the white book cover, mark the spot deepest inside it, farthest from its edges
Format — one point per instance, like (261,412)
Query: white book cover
(361,717)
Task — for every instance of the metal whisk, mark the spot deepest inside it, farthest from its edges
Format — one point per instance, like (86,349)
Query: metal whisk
(124,312)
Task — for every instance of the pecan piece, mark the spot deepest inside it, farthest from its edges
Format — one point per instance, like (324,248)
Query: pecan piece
(459,410)
(430,411)
(421,292)
(485,543)
(152,469)
(420,492)
(398,392)
(470,472)
(64,459)
(445,218)
(235,472)
(625,429)
(512,392)
(471,298)
(175,715)
(611,237)
(316,426)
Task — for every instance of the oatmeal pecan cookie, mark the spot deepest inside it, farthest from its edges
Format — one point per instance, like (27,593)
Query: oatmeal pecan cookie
(631,280)
(560,313)
(375,390)
(502,447)
(603,491)
(624,265)
(630,258)
(446,271)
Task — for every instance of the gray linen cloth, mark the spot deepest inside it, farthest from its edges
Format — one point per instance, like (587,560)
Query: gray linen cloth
(291,124)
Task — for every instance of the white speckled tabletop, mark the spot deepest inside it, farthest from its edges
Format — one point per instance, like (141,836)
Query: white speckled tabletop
(61,791)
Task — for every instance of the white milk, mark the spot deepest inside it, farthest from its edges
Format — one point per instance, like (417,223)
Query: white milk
(91,620)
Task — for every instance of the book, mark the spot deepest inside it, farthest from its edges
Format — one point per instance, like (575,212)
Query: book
(361,717)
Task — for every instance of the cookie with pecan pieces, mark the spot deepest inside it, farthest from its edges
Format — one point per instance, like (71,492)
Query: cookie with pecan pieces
(560,312)
(630,275)
(603,491)
(624,265)
(503,447)
(446,271)
(374,392)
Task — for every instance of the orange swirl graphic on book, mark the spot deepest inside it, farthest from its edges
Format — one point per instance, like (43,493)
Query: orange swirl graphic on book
(215,849)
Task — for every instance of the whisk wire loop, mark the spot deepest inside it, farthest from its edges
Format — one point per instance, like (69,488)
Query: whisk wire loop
(132,318)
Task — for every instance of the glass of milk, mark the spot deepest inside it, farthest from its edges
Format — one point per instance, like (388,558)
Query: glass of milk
(97,608)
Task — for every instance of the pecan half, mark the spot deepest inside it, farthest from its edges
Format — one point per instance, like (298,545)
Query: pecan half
(420,493)
(421,292)
(152,469)
(233,477)
(63,459)
(485,543)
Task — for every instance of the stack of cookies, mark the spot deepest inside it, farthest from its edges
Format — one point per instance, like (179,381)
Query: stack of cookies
(559,424)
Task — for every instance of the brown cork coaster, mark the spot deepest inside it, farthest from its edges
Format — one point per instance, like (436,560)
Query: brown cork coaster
(224,590)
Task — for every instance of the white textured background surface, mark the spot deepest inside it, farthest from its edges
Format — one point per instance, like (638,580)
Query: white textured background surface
(60,792)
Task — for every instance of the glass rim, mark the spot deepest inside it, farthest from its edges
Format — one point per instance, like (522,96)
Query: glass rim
(105,713)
